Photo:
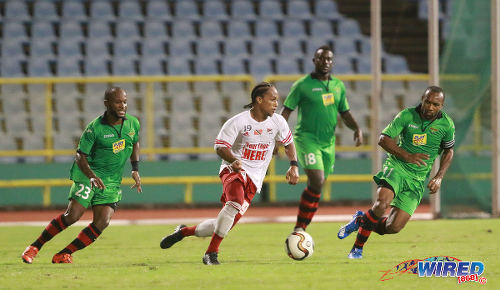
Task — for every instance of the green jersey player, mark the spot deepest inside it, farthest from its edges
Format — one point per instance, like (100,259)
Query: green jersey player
(106,144)
(319,97)
(424,133)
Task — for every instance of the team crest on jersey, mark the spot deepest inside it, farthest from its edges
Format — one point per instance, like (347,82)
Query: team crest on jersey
(328,99)
(246,134)
(433,130)
(118,146)
(131,133)
(257,132)
(269,130)
(419,139)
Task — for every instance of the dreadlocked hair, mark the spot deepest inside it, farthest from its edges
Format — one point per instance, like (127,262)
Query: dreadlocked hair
(257,91)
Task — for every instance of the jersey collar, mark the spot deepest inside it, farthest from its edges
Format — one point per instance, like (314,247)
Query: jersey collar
(315,75)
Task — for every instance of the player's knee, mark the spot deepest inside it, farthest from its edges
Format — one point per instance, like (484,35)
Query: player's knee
(101,224)
(381,205)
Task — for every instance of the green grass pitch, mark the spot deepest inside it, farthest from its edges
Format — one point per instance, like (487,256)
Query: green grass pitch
(252,257)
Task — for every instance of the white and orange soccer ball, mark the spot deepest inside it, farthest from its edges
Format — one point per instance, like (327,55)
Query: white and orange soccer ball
(299,245)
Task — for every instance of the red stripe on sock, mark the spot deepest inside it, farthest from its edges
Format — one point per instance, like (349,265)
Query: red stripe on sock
(359,244)
(95,234)
(60,222)
(214,244)
(86,240)
(369,216)
(309,204)
(72,248)
(364,232)
(188,231)
(316,195)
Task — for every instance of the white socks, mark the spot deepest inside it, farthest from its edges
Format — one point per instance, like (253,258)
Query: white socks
(225,218)
(205,228)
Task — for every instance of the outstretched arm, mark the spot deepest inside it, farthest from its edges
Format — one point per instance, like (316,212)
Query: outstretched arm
(292,175)
(391,147)
(226,154)
(444,164)
(134,159)
(83,164)
(286,113)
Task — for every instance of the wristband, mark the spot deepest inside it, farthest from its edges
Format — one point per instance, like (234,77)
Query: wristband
(294,163)
(135,165)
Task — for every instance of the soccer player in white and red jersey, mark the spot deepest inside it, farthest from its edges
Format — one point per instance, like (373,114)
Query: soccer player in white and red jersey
(245,143)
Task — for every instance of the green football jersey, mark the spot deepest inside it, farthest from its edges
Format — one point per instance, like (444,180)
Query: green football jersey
(107,148)
(417,135)
(319,103)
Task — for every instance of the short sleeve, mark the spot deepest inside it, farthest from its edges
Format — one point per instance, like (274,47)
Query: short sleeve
(343,104)
(396,126)
(227,134)
(293,98)
(87,140)
(284,135)
(449,137)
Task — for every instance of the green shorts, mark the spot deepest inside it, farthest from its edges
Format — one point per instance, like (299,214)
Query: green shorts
(84,195)
(314,156)
(408,191)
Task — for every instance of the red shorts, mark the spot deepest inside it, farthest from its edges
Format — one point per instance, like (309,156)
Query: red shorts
(236,188)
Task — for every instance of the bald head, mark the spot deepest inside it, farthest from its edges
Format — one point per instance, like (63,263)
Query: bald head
(114,92)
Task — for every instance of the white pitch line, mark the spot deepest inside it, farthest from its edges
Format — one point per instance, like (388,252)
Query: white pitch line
(275,219)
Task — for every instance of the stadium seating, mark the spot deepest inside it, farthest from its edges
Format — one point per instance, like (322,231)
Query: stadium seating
(169,37)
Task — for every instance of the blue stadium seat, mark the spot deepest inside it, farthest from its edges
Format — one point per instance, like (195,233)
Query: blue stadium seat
(69,48)
(102,10)
(242,10)
(42,29)
(12,49)
(211,29)
(395,64)
(125,47)
(263,47)
(294,28)
(235,47)
(158,9)
(180,47)
(39,67)
(233,66)
(178,66)
(270,9)
(207,47)
(71,30)
(326,9)
(266,29)
(45,10)
(321,28)
(260,67)
(154,28)
(123,66)
(183,29)
(288,65)
(153,47)
(314,43)
(238,29)
(97,48)
(290,47)
(349,28)
(126,28)
(152,66)
(344,46)
(130,10)
(99,29)
(11,67)
(68,67)
(206,66)
(96,66)
(16,10)
(214,9)
(42,48)
(342,65)
(186,9)
(365,45)
(299,9)
(364,64)
(13,29)
(73,10)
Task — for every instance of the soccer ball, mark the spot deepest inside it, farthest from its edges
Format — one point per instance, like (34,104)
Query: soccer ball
(299,245)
